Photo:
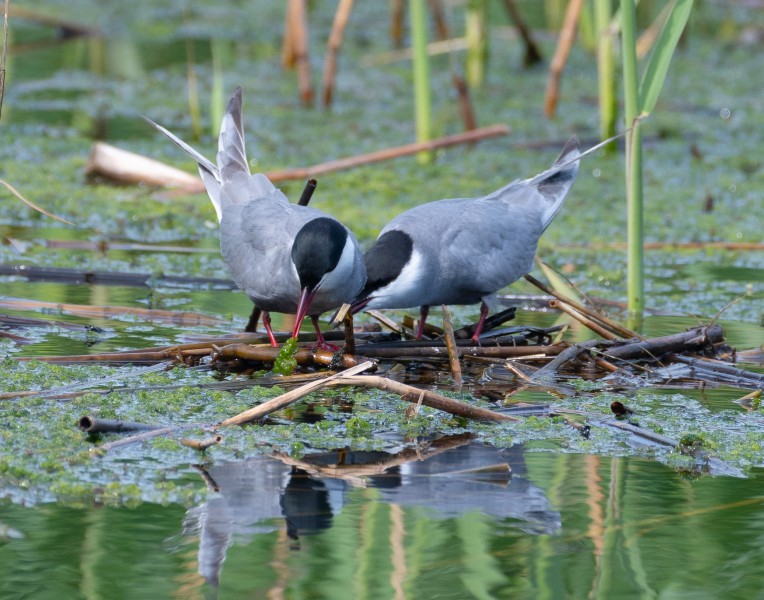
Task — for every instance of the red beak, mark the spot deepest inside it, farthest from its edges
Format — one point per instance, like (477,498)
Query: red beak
(303,306)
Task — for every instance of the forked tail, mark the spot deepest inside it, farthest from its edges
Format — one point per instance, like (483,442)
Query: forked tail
(231,157)
(555,183)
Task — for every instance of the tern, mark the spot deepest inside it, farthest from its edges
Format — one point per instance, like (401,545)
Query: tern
(464,250)
(287,258)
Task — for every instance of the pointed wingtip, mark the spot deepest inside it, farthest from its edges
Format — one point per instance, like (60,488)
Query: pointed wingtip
(570,150)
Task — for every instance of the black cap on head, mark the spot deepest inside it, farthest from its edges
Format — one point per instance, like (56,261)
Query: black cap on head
(385,260)
(317,249)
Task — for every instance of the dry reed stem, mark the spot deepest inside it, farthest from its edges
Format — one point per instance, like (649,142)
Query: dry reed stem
(332,48)
(453,351)
(429,398)
(613,326)
(583,319)
(202,444)
(266,408)
(565,43)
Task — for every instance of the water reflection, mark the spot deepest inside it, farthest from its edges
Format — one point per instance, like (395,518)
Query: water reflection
(448,477)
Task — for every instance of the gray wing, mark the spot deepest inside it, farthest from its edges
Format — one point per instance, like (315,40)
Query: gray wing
(471,247)
(256,241)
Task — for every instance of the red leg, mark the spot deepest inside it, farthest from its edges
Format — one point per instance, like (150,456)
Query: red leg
(268,330)
(480,323)
(423,311)
(321,343)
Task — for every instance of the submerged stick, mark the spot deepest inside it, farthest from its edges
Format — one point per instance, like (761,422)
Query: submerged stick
(90,424)
(428,397)
(202,444)
(260,411)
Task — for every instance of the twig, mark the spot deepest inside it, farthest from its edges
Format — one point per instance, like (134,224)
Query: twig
(453,352)
(260,411)
(490,323)
(567,355)
(734,376)
(614,326)
(386,321)
(532,54)
(397,11)
(349,334)
(430,398)
(90,424)
(572,312)
(390,153)
(134,439)
(186,319)
(565,43)
(5,53)
(460,85)
(307,192)
(694,339)
(29,203)
(266,353)
(296,38)
(372,351)
(332,48)
(202,444)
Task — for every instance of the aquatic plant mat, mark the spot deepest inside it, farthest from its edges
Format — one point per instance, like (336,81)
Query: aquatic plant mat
(146,417)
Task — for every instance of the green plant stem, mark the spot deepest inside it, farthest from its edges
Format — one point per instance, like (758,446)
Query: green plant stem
(421,75)
(605,71)
(635,234)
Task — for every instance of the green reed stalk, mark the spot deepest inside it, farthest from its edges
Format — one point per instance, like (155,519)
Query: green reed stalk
(477,51)
(635,227)
(219,49)
(605,70)
(421,75)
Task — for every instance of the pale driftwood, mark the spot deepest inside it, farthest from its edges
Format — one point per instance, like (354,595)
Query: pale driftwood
(427,397)
(110,162)
(122,166)
(266,408)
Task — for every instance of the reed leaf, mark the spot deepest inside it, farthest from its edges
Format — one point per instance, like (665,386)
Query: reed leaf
(660,58)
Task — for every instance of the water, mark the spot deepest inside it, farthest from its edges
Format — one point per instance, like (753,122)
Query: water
(258,516)
(561,526)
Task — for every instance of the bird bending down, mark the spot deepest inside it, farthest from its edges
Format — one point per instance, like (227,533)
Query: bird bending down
(287,258)
(462,251)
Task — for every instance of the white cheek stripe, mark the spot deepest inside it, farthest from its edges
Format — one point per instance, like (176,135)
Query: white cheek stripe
(405,284)
(343,270)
